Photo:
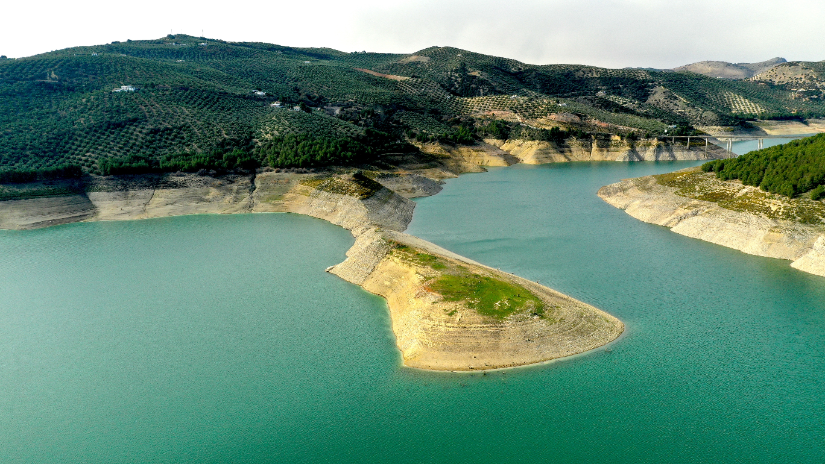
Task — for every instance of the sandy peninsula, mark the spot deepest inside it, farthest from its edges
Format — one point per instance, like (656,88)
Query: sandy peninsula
(434,329)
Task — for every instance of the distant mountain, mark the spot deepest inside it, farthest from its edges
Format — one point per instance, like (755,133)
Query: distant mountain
(727,70)
(179,98)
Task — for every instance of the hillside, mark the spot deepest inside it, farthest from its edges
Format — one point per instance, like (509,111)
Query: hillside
(725,70)
(191,103)
(804,80)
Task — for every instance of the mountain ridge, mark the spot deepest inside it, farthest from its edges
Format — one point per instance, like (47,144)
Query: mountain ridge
(186,97)
(726,70)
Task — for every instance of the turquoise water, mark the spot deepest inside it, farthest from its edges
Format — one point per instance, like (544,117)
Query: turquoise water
(221,339)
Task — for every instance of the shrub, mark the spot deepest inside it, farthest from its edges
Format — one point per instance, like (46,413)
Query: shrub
(818,193)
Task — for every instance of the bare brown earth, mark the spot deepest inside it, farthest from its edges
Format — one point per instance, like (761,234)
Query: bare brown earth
(727,213)
(385,76)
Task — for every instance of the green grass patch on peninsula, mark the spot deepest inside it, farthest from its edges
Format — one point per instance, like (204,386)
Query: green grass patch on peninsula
(419,258)
(487,295)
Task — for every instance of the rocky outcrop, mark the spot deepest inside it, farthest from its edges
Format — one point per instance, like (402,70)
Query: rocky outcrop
(382,209)
(170,195)
(462,158)
(152,196)
(740,217)
(540,152)
(409,185)
(813,261)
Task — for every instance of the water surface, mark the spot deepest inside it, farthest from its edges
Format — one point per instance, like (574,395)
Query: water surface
(722,360)
(221,339)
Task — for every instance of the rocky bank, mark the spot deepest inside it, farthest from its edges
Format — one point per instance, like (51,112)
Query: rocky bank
(613,149)
(727,213)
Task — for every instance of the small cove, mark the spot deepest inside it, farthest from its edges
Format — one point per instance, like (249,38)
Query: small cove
(219,338)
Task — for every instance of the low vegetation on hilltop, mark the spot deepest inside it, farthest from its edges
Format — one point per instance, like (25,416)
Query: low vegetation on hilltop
(735,197)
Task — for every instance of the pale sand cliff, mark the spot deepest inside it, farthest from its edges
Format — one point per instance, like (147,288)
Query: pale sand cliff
(539,152)
(754,222)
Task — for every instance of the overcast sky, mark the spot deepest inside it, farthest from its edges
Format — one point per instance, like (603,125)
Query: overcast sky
(609,33)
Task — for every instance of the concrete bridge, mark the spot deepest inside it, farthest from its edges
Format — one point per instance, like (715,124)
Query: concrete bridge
(729,139)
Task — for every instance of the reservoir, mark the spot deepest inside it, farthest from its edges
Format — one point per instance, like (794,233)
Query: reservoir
(221,339)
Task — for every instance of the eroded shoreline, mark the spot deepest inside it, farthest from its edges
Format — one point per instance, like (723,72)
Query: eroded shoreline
(431,332)
(727,213)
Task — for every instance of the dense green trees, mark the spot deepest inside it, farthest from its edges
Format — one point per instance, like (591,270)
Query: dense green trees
(303,150)
(18,176)
(496,129)
(788,169)
(292,150)
(505,130)
(143,164)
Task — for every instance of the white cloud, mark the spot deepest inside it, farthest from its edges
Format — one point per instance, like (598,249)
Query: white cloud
(613,33)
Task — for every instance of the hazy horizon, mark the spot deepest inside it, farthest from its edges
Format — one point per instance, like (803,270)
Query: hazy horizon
(613,33)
